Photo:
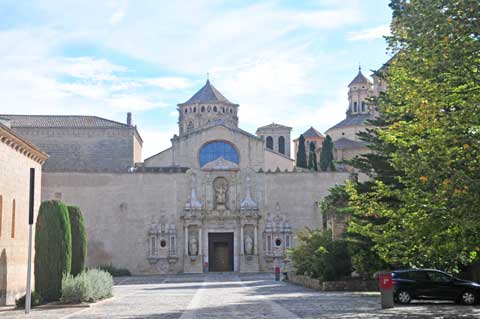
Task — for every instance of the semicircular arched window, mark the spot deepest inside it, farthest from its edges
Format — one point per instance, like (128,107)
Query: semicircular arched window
(214,150)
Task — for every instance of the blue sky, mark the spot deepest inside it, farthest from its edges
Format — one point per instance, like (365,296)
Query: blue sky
(287,62)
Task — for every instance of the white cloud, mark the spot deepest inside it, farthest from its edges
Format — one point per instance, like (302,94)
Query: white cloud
(119,13)
(369,34)
(169,83)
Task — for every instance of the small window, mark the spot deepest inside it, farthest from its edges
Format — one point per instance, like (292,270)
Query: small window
(270,142)
(355,107)
(231,111)
(195,109)
(186,110)
(278,242)
(13,218)
(223,109)
(214,109)
(364,107)
(163,243)
(203,109)
(287,241)
(153,248)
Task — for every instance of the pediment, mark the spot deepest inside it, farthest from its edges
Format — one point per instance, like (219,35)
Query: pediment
(220,164)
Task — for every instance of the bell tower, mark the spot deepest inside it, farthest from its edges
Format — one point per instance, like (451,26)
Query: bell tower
(360,89)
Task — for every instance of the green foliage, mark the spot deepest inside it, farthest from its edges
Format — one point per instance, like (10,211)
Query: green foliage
(318,256)
(326,156)
(115,272)
(422,205)
(89,286)
(35,300)
(312,158)
(301,153)
(79,240)
(53,249)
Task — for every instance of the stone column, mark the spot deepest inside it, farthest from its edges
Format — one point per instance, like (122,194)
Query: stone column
(241,240)
(200,241)
(255,241)
(186,240)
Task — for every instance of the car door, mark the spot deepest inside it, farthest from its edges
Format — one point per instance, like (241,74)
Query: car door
(423,287)
(443,285)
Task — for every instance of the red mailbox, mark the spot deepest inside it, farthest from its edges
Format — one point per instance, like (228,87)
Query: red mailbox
(385,281)
(277,273)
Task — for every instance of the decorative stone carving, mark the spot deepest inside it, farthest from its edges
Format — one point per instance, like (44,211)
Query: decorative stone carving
(277,234)
(193,246)
(162,240)
(193,202)
(220,186)
(248,245)
(220,164)
(248,203)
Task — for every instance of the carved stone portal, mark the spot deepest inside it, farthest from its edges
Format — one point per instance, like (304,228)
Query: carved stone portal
(220,186)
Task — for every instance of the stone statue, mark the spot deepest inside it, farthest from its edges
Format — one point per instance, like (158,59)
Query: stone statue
(221,187)
(248,202)
(193,246)
(248,245)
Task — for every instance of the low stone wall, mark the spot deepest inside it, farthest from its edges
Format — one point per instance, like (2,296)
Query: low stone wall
(345,285)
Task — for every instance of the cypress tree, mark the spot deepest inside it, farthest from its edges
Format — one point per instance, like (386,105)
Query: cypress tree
(79,240)
(326,157)
(301,153)
(312,158)
(53,249)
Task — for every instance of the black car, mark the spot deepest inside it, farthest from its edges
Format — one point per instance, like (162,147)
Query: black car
(432,284)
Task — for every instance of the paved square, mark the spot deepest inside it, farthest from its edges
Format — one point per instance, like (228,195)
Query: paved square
(231,296)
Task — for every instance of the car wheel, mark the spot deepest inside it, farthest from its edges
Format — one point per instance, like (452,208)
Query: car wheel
(468,297)
(403,297)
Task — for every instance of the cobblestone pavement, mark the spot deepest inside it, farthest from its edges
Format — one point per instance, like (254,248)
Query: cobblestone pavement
(231,296)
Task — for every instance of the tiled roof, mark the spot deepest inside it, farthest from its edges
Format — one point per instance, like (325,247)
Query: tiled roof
(207,94)
(352,120)
(360,79)
(311,132)
(345,143)
(33,151)
(66,121)
(274,126)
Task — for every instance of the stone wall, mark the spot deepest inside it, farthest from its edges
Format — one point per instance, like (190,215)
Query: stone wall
(119,208)
(14,187)
(341,285)
(85,149)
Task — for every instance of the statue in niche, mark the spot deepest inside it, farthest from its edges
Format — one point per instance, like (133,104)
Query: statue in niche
(248,245)
(220,186)
(193,246)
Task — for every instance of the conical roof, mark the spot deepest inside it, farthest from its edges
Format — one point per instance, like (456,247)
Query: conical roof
(360,78)
(208,94)
(312,132)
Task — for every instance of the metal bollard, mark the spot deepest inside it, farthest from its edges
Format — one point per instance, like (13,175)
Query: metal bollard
(386,289)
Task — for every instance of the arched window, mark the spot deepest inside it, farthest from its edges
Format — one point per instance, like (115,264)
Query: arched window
(214,109)
(195,109)
(270,142)
(190,127)
(355,107)
(186,110)
(203,109)
(363,106)
(281,144)
(214,150)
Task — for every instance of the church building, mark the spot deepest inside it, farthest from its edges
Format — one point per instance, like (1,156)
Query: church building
(218,199)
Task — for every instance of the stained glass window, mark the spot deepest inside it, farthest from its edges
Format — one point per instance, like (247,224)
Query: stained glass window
(217,149)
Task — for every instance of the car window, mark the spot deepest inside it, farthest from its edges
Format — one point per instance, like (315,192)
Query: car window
(438,277)
(418,275)
(401,275)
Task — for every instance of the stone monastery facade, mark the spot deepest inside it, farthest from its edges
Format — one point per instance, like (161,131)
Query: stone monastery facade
(219,199)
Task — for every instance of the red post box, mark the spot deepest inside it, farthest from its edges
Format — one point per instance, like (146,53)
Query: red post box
(277,273)
(385,281)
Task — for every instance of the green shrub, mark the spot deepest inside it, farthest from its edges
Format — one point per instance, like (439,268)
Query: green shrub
(79,240)
(53,249)
(318,256)
(89,286)
(35,300)
(116,272)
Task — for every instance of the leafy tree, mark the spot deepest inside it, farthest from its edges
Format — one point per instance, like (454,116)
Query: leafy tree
(326,156)
(318,256)
(423,201)
(79,240)
(301,153)
(53,249)
(312,158)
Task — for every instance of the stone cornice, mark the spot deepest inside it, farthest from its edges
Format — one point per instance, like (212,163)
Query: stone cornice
(8,137)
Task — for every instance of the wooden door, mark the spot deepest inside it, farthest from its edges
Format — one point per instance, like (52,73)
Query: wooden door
(221,256)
